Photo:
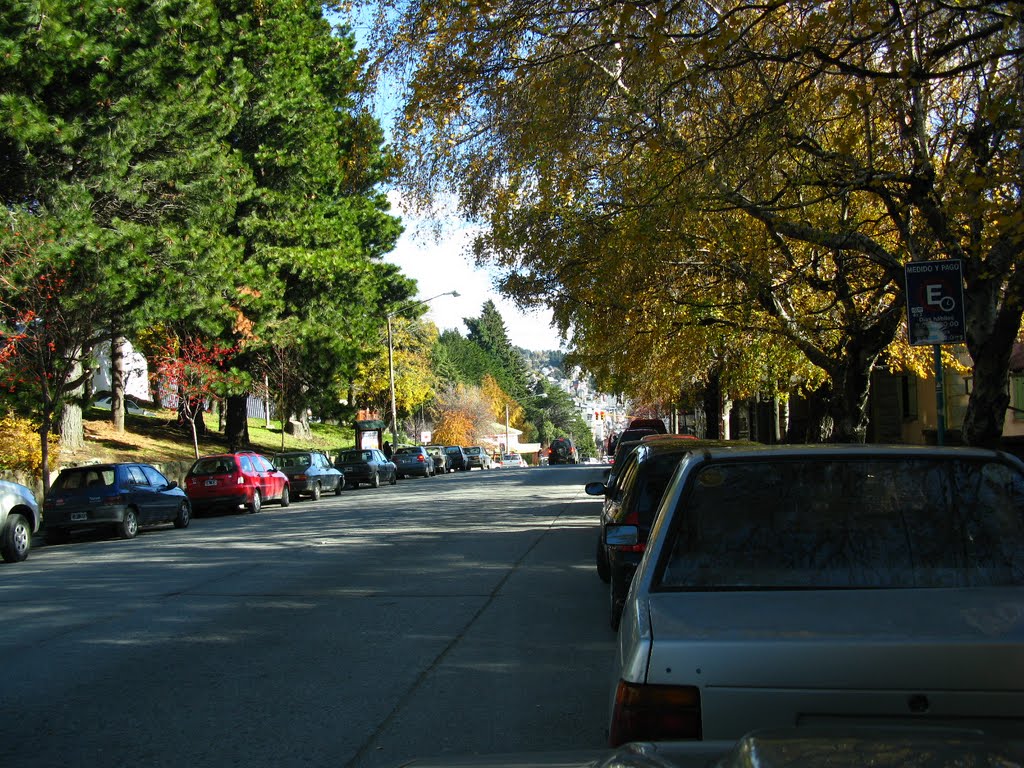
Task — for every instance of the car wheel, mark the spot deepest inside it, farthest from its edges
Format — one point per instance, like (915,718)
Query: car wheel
(184,516)
(315,496)
(339,487)
(603,568)
(128,528)
(616,599)
(375,480)
(286,497)
(257,503)
(394,479)
(17,538)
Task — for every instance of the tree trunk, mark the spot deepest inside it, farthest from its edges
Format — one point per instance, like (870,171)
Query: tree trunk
(71,429)
(986,408)
(117,407)
(236,425)
(713,409)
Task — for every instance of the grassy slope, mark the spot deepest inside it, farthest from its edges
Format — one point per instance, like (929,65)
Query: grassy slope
(159,439)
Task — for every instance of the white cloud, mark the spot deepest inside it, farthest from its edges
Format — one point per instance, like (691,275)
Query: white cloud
(439,263)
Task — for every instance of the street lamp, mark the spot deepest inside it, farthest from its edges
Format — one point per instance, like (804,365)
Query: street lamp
(391,357)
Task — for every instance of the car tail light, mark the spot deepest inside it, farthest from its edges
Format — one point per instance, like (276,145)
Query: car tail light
(654,713)
(420,459)
(633,518)
(300,477)
(118,499)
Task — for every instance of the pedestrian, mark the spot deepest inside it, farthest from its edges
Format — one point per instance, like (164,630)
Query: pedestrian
(387,450)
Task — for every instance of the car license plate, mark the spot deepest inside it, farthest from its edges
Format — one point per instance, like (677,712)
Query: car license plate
(78,516)
(211,482)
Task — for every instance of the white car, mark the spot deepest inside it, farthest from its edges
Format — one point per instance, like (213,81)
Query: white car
(19,519)
(104,403)
(512,460)
(825,586)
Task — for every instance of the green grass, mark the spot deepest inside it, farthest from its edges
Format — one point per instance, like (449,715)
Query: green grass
(158,438)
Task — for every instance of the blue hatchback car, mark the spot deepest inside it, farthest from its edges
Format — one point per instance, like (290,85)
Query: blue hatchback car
(121,497)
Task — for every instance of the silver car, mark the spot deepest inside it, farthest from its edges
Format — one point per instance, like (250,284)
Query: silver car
(19,519)
(826,586)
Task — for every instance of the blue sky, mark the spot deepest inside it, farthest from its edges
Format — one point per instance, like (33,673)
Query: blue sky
(440,263)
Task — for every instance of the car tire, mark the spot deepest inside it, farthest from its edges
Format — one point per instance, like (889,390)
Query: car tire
(603,568)
(339,487)
(16,539)
(286,496)
(375,480)
(184,516)
(315,495)
(128,528)
(257,503)
(616,600)
(394,479)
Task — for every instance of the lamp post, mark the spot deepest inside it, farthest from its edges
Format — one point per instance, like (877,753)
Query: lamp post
(391,358)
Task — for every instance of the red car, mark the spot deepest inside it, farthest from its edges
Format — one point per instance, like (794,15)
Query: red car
(241,480)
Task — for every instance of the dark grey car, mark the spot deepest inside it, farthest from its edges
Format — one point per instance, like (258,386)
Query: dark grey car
(413,460)
(366,465)
(310,473)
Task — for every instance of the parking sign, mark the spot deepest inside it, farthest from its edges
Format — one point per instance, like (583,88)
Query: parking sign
(935,302)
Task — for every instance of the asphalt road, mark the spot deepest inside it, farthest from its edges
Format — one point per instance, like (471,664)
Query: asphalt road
(459,614)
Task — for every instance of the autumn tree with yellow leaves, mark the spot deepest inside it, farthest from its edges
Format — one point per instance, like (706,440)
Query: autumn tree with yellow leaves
(700,190)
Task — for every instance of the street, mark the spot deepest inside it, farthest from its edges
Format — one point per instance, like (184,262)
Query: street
(458,614)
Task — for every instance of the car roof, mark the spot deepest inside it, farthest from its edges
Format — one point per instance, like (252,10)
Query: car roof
(728,449)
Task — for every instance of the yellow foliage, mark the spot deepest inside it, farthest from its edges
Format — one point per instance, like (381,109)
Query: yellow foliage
(20,448)
(453,428)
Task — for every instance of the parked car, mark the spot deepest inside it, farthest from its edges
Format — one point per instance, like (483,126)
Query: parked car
(310,473)
(130,406)
(243,480)
(512,461)
(19,520)
(457,459)
(477,457)
(366,465)
(825,585)
(413,460)
(562,451)
(122,497)
(440,459)
(643,477)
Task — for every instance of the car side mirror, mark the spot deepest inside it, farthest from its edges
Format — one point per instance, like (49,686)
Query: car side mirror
(595,488)
(621,535)
(172,485)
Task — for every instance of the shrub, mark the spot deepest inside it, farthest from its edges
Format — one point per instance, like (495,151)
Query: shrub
(19,446)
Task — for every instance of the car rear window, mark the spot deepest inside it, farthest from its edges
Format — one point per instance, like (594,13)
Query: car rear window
(293,460)
(92,477)
(214,465)
(472,451)
(894,523)
(354,456)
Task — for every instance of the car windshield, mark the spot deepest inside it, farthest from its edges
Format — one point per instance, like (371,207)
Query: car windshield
(904,523)
(93,477)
